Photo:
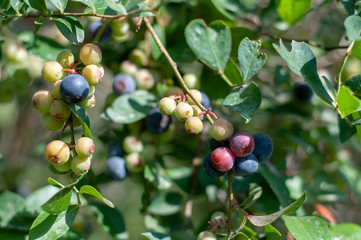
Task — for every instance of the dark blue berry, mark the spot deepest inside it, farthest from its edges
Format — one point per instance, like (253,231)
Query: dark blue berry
(213,143)
(205,101)
(94,28)
(209,169)
(123,83)
(116,168)
(156,122)
(263,147)
(74,88)
(303,92)
(115,148)
(245,166)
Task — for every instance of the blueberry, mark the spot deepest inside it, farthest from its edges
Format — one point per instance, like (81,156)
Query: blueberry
(205,101)
(94,28)
(74,88)
(245,166)
(302,92)
(208,168)
(263,147)
(213,143)
(158,123)
(115,148)
(116,168)
(123,83)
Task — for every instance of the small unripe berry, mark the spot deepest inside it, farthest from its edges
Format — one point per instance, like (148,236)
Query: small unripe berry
(196,111)
(223,159)
(15,53)
(196,94)
(63,167)
(90,54)
(91,92)
(193,125)
(144,79)
(84,147)
(183,111)
(206,235)
(221,129)
(65,58)
(55,90)
(42,101)
(119,27)
(52,71)
(191,80)
(134,162)
(132,144)
(79,165)
(138,57)
(167,105)
(128,67)
(92,74)
(88,103)
(242,144)
(51,124)
(59,110)
(57,152)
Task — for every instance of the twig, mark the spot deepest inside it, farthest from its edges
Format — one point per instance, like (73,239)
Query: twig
(230,203)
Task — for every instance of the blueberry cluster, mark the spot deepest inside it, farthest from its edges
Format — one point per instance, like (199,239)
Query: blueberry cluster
(240,154)
(73,82)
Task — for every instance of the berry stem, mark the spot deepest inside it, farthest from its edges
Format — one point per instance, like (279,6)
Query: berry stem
(174,66)
(230,203)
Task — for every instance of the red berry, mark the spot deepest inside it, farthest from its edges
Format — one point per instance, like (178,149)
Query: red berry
(242,144)
(222,159)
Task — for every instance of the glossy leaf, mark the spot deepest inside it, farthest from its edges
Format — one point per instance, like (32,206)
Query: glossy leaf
(254,194)
(347,103)
(349,6)
(80,112)
(354,84)
(116,6)
(268,219)
(291,11)
(87,189)
(155,174)
(141,5)
(17,5)
(250,58)
(272,233)
(71,29)
(11,204)
(353,28)
(54,183)
(211,44)
(228,8)
(355,49)
(129,108)
(302,62)
(345,231)
(37,4)
(59,202)
(245,100)
(307,228)
(59,4)
(166,203)
(156,236)
(52,227)
(233,73)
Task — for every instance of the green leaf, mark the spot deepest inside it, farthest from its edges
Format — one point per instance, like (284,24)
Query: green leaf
(250,58)
(111,221)
(37,198)
(71,29)
(272,233)
(129,4)
(17,5)
(37,4)
(228,8)
(349,6)
(59,4)
(52,227)
(233,73)
(59,202)
(129,108)
(254,194)
(117,6)
(87,189)
(347,103)
(11,204)
(354,84)
(355,49)
(88,3)
(351,175)
(212,45)
(166,203)
(245,100)
(80,112)
(346,131)
(155,174)
(141,14)
(307,227)
(54,183)
(302,62)
(346,231)
(38,23)
(261,221)
(213,85)
(156,236)
(156,53)
(291,11)
(353,28)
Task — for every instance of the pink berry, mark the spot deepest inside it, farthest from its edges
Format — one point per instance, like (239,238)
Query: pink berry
(242,144)
(222,159)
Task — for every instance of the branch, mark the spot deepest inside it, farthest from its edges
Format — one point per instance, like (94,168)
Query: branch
(230,203)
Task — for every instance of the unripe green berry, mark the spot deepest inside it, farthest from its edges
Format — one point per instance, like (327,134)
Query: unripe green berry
(63,167)
(15,53)
(167,106)
(221,129)
(138,57)
(90,54)
(183,111)
(134,162)
(88,103)
(42,101)
(57,152)
(52,71)
(128,67)
(65,58)
(193,125)
(84,147)
(59,110)
(144,79)
(49,123)
(196,94)
(206,235)
(197,111)
(132,144)
(92,74)
(55,90)
(119,27)
(191,80)
(79,165)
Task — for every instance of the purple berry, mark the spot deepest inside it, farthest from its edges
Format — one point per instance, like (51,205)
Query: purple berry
(263,147)
(223,159)
(242,144)
(123,83)
(245,166)
(209,169)
(74,88)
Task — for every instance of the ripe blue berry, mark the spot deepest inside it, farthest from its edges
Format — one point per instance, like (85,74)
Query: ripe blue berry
(74,88)
(208,168)
(263,147)
(303,92)
(245,166)
(94,28)
(205,101)
(123,83)
(115,148)
(116,168)
(213,143)
(156,122)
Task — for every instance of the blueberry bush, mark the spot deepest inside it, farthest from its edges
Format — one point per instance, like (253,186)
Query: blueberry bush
(209,119)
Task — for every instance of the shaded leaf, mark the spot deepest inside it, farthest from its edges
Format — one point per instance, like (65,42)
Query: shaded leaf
(17,5)
(354,84)
(37,198)
(345,231)
(38,23)
(166,203)
(156,53)
(353,28)
(156,236)
(351,175)
(87,189)
(213,85)
(268,219)
(307,227)
(233,73)
(254,194)
(250,58)
(37,4)
(80,112)
(71,29)
(346,131)
(291,11)
(349,6)
(54,183)
(59,202)
(59,4)
(347,103)
(141,14)
(11,204)
(272,233)
(155,174)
